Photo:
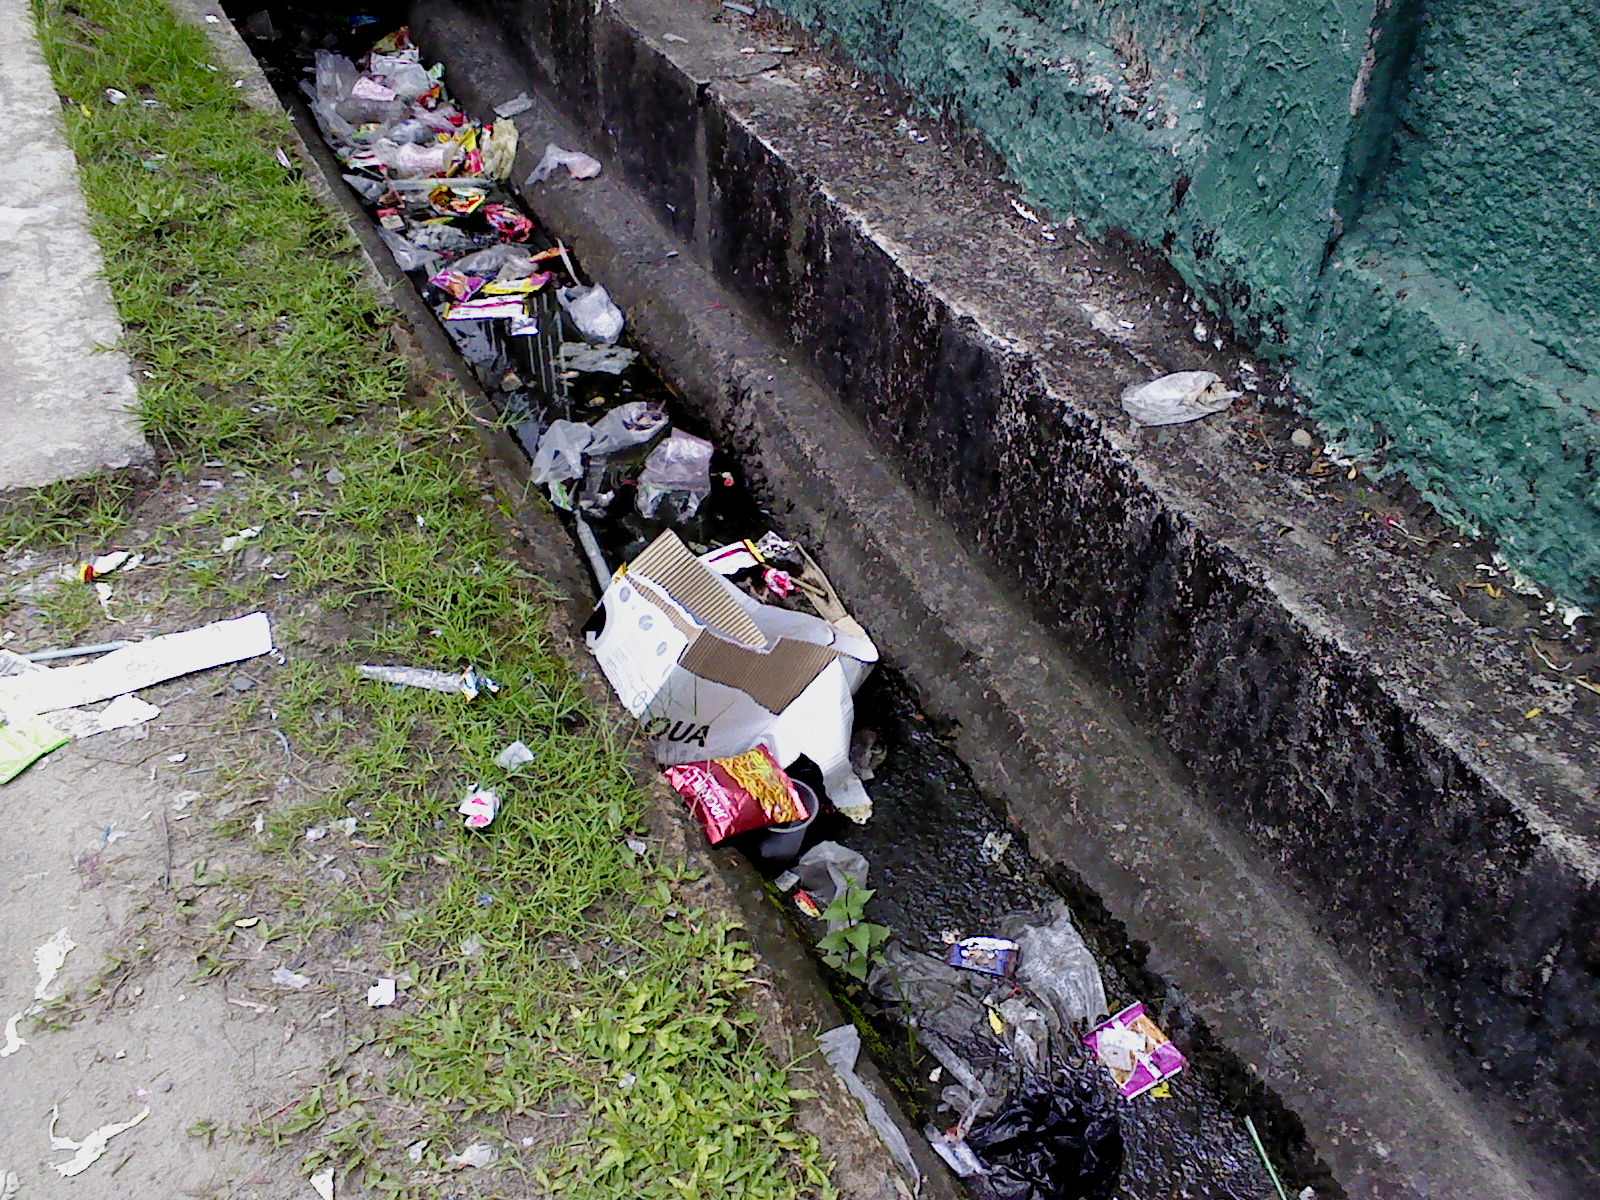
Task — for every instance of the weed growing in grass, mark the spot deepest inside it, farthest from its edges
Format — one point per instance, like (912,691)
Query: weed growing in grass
(545,959)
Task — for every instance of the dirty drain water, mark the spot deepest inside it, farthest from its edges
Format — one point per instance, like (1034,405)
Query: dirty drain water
(941,861)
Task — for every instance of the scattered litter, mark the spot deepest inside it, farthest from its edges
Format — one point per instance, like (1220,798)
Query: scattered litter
(994,848)
(592,312)
(1174,399)
(1051,1141)
(415,1150)
(673,37)
(479,808)
(1272,1171)
(39,656)
(514,757)
(124,712)
(106,564)
(1136,1052)
(841,1047)
(724,673)
(322,1183)
(827,869)
(469,682)
(140,665)
(518,104)
(987,955)
(116,95)
(730,796)
(381,994)
(24,740)
(315,833)
(49,958)
(283,977)
(479,1154)
(282,156)
(744,9)
(247,922)
(234,540)
(955,1152)
(559,455)
(253,1005)
(9,1185)
(678,469)
(638,846)
(578,165)
(609,360)
(626,426)
(91,1147)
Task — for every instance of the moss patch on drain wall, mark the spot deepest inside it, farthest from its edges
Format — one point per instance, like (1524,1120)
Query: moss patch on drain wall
(1397,196)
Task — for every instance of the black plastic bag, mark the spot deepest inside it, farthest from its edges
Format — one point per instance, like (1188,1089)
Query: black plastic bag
(1051,1141)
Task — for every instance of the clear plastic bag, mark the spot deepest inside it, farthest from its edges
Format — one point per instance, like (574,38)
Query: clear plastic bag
(627,425)
(408,255)
(578,165)
(679,467)
(490,263)
(1174,399)
(1057,967)
(560,454)
(592,312)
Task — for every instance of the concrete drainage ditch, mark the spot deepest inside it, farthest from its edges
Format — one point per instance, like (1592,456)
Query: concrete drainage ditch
(937,824)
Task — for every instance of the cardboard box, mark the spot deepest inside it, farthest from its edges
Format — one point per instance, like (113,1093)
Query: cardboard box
(711,672)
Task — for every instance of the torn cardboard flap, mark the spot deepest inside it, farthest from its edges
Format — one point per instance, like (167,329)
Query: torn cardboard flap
(711,672)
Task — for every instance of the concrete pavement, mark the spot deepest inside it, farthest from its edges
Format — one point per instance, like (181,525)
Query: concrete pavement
(66,399)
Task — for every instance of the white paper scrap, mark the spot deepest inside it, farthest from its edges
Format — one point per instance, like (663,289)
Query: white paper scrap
(137,666)
(479,1154)
(49,958)
(322,1183)
(92,1147)
(14,1040)
(122,713)
(381,994)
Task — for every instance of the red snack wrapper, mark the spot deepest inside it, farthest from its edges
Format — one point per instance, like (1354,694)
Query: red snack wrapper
(508,221)
(731,796)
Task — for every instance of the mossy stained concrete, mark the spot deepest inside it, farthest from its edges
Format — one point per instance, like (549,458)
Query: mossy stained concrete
(1330,176)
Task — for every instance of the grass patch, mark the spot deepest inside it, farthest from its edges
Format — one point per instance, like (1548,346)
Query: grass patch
(544,960)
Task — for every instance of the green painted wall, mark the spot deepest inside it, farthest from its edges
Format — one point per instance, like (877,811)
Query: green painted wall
(1400,197)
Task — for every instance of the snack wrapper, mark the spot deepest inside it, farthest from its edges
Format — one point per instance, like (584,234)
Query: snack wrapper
(735,795)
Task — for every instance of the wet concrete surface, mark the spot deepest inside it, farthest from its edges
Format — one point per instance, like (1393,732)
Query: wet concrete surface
(942,859)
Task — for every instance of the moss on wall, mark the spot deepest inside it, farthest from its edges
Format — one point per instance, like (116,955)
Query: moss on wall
(1399,196)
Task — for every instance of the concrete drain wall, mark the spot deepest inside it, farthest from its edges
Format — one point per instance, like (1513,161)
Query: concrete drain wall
(1330,710)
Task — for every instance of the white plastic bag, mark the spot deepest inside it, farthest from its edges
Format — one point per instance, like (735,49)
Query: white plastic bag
(631,424)
(578,165)
(679,467)
(1174,399)
(591,310)
(560,454)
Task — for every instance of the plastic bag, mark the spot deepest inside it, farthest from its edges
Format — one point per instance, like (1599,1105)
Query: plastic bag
(410,160)
(679,467)
(560,454)
(827,869)
(334,77)
(491,263)
(627,425)
(444,237)
(611,360)
(368,189)
(592,312)
(1174,399)
(1057,967)
(408,255)
(578,165)
(1051,1141)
